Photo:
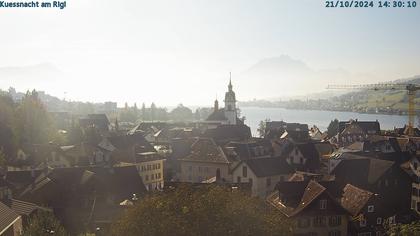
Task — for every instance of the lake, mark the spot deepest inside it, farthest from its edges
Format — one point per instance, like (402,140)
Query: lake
(315,117)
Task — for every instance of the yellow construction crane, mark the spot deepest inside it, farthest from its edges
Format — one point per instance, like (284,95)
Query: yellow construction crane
(410,88)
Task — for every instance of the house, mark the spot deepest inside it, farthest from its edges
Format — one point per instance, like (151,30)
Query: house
(262,173)
(10,221)
(382,177)
(368,215)
(205,160)
(280,129)
(354,130)
(312,206)
(150,168)
(302,156)
(85,197)
(98,121)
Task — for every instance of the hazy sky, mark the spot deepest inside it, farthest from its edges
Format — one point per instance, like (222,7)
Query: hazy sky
(175,51)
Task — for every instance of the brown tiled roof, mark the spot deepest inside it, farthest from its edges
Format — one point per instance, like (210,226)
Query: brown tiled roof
(206,150)
(354,199)
(312,191)
(7,217)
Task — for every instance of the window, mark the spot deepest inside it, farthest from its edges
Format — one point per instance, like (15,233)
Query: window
(190,168)
(323,204)
(304,222)
(371,208)
(334,233)
(378,220)
(268,182)
(239,179)
(148,167)
(250,180)
(334,221)
(199,169)
(158,165)
(320,221)
(152,176)
(362,222)
(415,165)
(244,171)
(147,177)
(159,175)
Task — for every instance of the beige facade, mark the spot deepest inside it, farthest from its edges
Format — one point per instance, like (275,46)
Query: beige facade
(197,171)
(151,173)
(261,186)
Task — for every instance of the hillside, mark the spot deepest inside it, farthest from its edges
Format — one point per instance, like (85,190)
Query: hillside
(364,101)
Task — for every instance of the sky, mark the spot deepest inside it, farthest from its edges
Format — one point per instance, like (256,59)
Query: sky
(181,51)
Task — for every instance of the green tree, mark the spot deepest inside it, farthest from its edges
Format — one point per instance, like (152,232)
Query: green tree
(207,210)
(44,223)
(33,122)
(8,138)
(332,129)
(262,127)
(404,229)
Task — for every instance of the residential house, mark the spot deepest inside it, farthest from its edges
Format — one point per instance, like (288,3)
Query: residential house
(150,168)
(10,221)
(354,130)
(85,197)
(206,160)
(382,177)
(262,173)
(312,206)
(368,215)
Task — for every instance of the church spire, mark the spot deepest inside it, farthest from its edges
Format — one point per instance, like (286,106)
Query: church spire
(230,81)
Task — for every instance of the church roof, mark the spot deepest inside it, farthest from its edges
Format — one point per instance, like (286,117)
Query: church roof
(217,115)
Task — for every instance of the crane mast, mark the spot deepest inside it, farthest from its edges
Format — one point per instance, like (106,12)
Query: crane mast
(411,92)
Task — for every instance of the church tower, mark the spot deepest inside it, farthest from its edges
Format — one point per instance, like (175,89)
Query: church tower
(230,104)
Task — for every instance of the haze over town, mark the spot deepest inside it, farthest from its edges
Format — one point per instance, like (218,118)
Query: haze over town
(171,52)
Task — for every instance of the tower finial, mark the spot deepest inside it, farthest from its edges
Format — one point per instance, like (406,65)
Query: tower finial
(230,81)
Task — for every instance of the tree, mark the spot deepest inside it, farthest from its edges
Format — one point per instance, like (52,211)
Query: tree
(3,159)
(33,122)
(152,111)
(181,113)
(404,229)
(332,129)
(204,210)
(262,127)
(44,223)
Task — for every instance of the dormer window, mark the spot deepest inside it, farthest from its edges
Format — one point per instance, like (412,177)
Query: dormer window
(371,208)
(323,204)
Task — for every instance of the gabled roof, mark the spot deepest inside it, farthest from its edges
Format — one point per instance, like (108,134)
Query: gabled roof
(269,166)
(312,191)
(25,208)
(369,170)
(7,217)
(206,150)
(354,199)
